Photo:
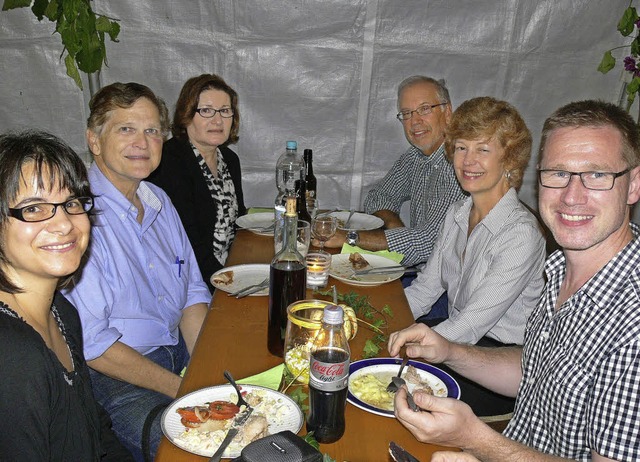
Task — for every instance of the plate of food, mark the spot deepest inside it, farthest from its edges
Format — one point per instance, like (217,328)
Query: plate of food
(199,421)
(258,223)
(368,380)
(235,278)
(359,221)
(344,266)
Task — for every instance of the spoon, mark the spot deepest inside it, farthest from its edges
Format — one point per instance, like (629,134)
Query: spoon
(393,387)
(399,381)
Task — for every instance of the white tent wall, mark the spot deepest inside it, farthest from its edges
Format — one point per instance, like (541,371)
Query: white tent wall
(323,72)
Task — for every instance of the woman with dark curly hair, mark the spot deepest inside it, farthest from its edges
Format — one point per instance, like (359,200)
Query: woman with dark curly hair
(200,173)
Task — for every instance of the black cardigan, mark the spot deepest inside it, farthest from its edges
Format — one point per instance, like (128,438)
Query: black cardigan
(181,177)
(42,417)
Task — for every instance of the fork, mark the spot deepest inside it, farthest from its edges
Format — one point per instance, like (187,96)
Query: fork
(246,289)
(241,401)
(393,386)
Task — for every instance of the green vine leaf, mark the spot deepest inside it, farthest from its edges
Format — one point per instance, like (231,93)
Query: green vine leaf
(635,47)
(370,349)
(11,4)
(72,70)
(628,21)
(39,7)
(82,32)
(608,62)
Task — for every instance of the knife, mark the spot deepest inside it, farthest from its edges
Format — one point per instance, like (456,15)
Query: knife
(386,269)
(252,290)
(398,454)
(351,212)
(238,422)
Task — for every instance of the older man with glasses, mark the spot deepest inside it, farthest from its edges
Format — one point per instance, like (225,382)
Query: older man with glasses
(422,175)
(576,377)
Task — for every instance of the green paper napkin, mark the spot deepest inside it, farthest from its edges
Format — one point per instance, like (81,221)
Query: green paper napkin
(259,210)
(269,378)
(395,256)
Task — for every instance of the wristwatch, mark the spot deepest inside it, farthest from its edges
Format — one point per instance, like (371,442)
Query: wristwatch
(352,238)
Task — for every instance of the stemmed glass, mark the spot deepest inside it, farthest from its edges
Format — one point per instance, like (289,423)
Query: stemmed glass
(323,228)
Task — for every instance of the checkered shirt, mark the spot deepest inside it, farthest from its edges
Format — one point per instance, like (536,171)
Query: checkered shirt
(580,389)
(430,183)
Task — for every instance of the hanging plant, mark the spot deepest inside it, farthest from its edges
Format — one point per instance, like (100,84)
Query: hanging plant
(627,26)
(81,30)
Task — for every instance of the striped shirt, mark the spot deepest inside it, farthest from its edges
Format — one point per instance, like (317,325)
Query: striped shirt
(580,389)
(493,277)
(430,183)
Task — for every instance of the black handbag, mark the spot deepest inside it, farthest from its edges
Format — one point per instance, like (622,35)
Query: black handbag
(285,446)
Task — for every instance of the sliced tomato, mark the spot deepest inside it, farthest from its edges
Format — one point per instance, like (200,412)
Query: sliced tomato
(222,410)
(193,416)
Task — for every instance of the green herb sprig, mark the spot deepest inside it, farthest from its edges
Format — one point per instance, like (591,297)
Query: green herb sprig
(371,317)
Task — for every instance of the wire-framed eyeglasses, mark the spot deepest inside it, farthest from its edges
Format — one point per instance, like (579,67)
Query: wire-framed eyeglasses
(44,210)
(423,110)
(209,112)
(597,181)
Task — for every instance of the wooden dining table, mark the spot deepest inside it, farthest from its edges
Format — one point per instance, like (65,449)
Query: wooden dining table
(234,337)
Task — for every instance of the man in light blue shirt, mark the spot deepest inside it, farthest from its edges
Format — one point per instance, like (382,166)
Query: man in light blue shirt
(140,294)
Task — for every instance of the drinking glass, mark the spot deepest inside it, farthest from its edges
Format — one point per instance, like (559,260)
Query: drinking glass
(323,228)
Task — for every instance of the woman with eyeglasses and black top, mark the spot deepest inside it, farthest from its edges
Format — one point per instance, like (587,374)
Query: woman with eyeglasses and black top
(47,408)
(200,173)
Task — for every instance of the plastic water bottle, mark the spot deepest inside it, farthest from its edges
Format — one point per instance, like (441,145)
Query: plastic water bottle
(289,168)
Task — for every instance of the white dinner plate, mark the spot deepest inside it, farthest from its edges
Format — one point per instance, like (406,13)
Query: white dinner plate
(288,417)
(342,270)
(359,221)
(442,383)
(257,220)
(244,276)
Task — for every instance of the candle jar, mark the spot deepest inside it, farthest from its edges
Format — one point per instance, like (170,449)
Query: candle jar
(318,265)
(304,319)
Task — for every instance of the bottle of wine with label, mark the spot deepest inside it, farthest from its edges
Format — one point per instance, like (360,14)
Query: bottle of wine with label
(287,280)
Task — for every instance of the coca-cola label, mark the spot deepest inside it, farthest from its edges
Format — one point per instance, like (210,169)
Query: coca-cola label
(328,376)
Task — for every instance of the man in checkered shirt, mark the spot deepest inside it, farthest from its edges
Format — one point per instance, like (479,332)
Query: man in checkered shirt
(421,175)
(577,378)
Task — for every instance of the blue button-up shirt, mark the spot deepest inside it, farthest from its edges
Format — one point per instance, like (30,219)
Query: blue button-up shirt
(138,277)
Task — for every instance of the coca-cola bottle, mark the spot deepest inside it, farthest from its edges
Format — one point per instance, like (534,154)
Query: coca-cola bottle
(328,378)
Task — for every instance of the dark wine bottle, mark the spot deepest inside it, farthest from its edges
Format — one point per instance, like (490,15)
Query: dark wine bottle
(287,280)
(301,201)
(310,178)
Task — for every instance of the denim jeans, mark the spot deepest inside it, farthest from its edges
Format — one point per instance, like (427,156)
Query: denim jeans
(129,405)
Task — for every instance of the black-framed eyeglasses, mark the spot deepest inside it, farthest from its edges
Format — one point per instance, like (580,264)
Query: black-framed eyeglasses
(423,110)
(45,210)
(209,112)
(597,181)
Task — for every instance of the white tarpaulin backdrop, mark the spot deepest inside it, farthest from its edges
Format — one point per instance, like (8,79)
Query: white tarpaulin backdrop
(323,72)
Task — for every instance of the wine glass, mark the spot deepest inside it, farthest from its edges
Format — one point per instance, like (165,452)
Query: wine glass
(323,228)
